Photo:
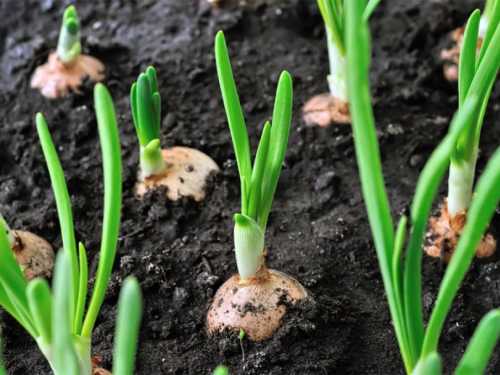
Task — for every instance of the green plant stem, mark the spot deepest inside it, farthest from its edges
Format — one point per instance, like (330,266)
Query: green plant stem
(460,183)
(69,47)
(151,159)
(338,74)
(248,245)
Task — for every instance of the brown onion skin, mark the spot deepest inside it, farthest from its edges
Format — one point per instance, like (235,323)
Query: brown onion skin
(55,78)
(255,305)
(186,174)
(33,253)
(444,233)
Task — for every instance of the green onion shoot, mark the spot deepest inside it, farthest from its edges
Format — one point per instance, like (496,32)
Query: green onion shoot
(324,109)
(451,56)
(476,79)
(254,284)
(182,170)
(484,22)
(67,66)
(219,370)
(69,46)
(34,255)
(401,272)
(61,321)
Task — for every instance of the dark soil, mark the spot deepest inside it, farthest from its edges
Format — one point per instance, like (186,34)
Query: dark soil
(183,251)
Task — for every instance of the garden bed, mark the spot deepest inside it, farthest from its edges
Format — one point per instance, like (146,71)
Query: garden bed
(182,251)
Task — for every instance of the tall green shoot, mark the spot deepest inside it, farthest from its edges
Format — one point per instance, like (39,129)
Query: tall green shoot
(402,281)
(258,183)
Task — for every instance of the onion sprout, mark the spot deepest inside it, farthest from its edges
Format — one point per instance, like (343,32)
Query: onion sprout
(145,101)
(484,23)
(57,320)
(402,281)
(69,47)
(220,370)
(258,183)
(476,78)
(332,13)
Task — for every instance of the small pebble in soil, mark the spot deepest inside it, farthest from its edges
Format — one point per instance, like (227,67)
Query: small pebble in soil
(204,280)
(127,262)
(395,129)
(417,161)
(180,297)
(324,181)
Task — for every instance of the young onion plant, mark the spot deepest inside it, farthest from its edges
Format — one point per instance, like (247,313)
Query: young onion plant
(402,281)
(451,56)
(476,79)
(34,255)
(67,66)
(57,320)
(326,108)
(182,170)
(254,285)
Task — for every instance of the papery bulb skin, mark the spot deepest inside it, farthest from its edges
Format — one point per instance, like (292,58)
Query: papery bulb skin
(34,254)
(255,305)
(55,78)
(444,233)
(185,176)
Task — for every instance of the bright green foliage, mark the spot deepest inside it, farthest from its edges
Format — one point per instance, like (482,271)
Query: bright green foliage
(241,335)
(476,79)
(69,46)
(431,365)
(486,18)
(258,183)
(127,327)
(56,320)
(221,370)
(145,102)
(332,13)
(333,17)
(403,281)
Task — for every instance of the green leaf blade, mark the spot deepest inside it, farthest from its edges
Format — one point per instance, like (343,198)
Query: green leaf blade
(82,289)
(467,63)
(258,172)
(63,203)
(480,213)
(280,131)
(481,346)
(146,111)
(40,302)
(65,359)
(234,114)
(127,327)
(427,186)
(112,170)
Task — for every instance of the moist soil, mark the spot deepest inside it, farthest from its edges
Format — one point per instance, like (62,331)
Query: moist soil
(182,251)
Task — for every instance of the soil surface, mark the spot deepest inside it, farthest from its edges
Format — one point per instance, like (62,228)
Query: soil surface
(183,251)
